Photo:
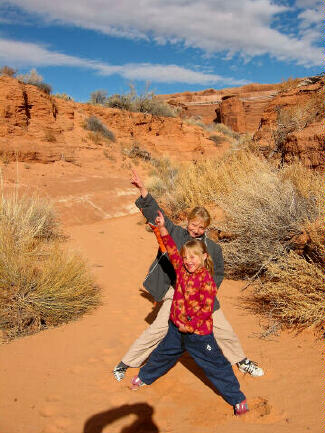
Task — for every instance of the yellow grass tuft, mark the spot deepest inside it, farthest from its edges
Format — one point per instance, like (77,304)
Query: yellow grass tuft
(292,292)
(40,284)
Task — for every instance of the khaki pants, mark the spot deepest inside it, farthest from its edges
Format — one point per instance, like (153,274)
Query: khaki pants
(152,336)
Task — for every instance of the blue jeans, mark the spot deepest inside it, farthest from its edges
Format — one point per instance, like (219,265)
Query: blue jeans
(205,352)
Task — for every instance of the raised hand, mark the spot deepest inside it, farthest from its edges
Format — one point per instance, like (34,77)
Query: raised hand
(160,220)
(137,182)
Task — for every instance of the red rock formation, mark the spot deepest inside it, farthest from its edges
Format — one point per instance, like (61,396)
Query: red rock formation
(35,126)
(300,133)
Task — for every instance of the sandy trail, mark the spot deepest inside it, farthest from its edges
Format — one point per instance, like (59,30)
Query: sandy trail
(60,381)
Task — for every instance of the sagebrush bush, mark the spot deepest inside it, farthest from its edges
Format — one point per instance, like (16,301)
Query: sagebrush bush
(40,284)
(98,97)
(145,103)
(94,124)
(263,215)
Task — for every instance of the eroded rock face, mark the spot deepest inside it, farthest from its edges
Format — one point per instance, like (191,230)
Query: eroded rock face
(239,108)
(35,126)
(291,125)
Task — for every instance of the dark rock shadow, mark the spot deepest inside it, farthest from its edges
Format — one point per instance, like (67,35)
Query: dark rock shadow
(143,424)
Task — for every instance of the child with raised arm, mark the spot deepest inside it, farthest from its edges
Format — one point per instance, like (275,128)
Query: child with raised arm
(190,324)
(160,281)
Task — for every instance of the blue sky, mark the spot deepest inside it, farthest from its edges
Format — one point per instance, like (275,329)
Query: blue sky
(79,46)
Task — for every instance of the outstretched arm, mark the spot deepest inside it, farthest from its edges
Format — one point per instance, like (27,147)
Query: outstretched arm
(147,204)
(173,254)
(138,183)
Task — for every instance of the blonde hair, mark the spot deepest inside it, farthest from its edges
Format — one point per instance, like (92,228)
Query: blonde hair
(200,212)
(199,248)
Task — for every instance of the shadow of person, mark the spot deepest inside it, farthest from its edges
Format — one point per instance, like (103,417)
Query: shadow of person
(143,424)
(151,317)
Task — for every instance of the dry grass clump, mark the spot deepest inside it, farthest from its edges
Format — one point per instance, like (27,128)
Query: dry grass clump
(225,130)
(27,218)
(203,182)
(289,84)
(40,284)
(292,291)
(263,215)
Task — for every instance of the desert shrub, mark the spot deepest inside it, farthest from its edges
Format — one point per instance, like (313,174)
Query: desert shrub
(148,103)
(63,96)
(217,139)
(40,284)
(197,121)
(35,79)
(289,84)
(136,152)
(7,70)
(145,103)
(226,130)
(291,292)
(28,218)
(98,97)
(95,125)
(122,102)
(162,179)
(262,215)
(41,288)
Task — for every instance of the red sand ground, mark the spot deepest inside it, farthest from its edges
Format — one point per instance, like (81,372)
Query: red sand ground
(60,381)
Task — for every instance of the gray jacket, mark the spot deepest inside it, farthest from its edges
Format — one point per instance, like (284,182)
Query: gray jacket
(161,273)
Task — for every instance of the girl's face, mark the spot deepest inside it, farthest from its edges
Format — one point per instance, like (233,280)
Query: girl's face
(196,227)
(192,261)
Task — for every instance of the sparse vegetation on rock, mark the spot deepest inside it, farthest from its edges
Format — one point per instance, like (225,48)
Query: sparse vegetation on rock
(35,79)
(95,125)
(131,101)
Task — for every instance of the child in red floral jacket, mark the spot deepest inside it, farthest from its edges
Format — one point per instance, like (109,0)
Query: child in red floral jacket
(190,325)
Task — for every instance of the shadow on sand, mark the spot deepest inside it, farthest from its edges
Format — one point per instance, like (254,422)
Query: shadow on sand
(143,424)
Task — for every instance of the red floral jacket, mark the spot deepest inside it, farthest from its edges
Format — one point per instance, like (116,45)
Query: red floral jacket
(194,294)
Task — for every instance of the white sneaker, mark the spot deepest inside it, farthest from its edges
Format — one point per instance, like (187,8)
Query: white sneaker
(250,367)
(119,373)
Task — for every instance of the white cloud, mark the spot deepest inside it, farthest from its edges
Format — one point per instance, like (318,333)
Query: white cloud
(23,54)
(211,25)
(304,4)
